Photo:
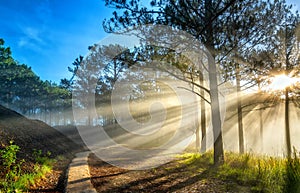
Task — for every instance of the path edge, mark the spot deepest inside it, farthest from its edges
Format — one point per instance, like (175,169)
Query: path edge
(78,175)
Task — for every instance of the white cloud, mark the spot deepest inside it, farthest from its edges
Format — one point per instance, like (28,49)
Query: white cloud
(32,38)
(33,34)
(22,42)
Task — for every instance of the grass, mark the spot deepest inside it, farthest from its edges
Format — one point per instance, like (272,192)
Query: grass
(293,174)
(14,177)
(248,172)
(260,174)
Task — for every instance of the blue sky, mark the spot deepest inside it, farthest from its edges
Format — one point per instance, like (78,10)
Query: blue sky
(49,35)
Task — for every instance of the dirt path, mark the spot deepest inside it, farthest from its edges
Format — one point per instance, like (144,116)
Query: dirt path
(171,177)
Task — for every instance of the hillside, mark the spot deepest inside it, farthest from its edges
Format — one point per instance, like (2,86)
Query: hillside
(33,134)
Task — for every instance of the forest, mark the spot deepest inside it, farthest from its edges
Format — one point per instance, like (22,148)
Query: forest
(222,74)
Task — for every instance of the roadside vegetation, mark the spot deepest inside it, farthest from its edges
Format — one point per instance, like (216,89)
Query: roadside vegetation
(15,175)
(255,173)
(195,172)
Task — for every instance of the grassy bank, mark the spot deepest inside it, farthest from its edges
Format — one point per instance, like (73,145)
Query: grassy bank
(249,173)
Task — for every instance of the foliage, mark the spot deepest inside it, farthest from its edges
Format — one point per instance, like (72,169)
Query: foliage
(22,90)
(42,159)
(96,75)
(15,178)
(228,29)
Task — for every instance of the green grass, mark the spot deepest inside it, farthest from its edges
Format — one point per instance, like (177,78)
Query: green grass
(248,172)
(260,174)
(293,174)
(14,179)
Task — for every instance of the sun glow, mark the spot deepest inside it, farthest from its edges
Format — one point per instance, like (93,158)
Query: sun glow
(280,82)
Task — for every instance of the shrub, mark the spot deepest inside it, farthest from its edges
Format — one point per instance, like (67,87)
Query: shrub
(16,180)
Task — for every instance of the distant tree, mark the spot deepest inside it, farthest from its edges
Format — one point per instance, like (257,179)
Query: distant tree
(27,90)
(67,86)
(95,76)
(66,96)
(116,59)
(22,90)
(19,87)
(164,60)
(5,54)
(280,55)
(5,61)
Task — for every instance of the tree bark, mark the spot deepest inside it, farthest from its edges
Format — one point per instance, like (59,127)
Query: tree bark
(203,117)
(287,124)
(261,131)
(215,114)
(261,124)
(287,100)
(239,110)
(214,92)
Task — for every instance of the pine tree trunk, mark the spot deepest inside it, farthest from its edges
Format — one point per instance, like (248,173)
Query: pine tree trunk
(215,112)
(287,124)
(239,109)
(214,92)
(261,131)
(261,124)
(203,117)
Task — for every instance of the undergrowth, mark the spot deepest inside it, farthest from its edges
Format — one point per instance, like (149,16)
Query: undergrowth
(293,173)
(258,174)
(16,179)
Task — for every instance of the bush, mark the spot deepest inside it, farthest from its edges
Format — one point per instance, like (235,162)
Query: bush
(16,180)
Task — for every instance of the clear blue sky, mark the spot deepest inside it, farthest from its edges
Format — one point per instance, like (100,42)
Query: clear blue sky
(49,35)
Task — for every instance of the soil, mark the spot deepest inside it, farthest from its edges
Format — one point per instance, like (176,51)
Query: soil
(53,182)
(32,135)
(170,177)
